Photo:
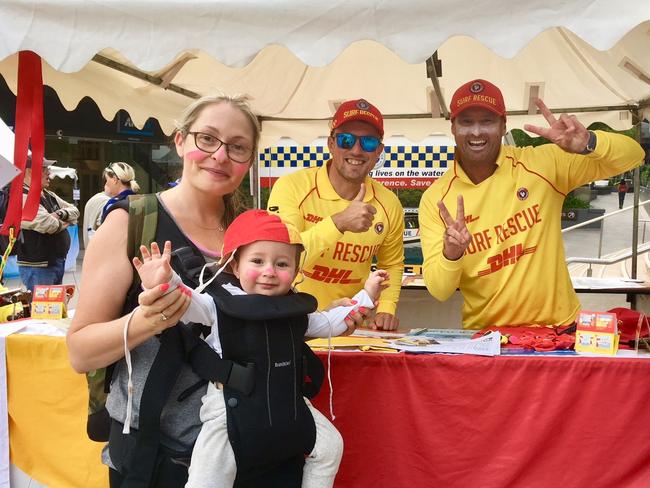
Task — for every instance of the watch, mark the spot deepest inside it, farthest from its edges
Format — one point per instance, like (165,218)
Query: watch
(591,143)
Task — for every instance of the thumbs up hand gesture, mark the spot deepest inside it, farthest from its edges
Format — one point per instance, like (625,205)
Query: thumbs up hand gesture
(357,217)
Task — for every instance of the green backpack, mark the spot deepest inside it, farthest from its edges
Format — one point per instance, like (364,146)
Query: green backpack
(143,219)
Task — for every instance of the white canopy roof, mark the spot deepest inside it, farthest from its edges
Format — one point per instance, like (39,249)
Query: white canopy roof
(297,59)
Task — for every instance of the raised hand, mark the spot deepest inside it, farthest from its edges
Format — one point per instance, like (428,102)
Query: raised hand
(358,216)
(567,131)
(154,269)
(376,283)
(457,236)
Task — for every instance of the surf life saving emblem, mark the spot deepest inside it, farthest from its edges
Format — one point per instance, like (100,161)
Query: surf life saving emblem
(477,87)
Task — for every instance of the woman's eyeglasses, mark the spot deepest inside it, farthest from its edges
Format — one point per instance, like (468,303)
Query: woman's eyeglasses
(210,144)
(345,140)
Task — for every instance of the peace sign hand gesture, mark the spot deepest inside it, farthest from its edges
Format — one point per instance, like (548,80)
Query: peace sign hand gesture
(457,236)
(567,131)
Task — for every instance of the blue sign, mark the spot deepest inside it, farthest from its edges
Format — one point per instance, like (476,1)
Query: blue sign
(126,126)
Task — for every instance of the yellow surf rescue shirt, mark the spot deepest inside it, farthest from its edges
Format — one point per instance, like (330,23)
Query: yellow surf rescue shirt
(514,270)
(337,265)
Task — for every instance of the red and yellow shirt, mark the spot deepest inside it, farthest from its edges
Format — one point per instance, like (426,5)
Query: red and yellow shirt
(337,265)
(514,271)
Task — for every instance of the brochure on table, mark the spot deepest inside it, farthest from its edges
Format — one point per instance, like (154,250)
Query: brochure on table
(597,332)
(50,301)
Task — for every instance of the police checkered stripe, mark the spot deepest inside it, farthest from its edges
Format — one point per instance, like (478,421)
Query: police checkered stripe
(293,156)
(396,156)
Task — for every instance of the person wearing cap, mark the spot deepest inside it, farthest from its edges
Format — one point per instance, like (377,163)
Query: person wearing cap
(44,242)
(490,226)
(346,219)
(263,254)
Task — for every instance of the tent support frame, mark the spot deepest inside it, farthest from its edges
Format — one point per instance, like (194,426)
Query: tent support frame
(159,81)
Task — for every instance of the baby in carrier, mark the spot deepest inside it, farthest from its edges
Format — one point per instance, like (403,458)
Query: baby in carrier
(257,320)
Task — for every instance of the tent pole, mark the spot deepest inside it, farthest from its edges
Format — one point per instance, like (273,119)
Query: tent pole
(568,110)
(162,82)
(434,71)
(636,120)
(255,182)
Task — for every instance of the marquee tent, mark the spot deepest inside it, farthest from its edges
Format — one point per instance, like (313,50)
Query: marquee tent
(297,59)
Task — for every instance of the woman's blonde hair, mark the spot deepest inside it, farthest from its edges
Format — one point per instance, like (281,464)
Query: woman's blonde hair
(123,172)
(232,201)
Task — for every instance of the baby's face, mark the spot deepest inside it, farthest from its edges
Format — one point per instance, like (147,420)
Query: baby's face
(266,267)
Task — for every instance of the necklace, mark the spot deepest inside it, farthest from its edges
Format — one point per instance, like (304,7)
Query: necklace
(183,212)
(218,228)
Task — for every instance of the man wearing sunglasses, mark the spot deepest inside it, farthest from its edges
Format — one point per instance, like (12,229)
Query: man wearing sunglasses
(345,217)
(491,225)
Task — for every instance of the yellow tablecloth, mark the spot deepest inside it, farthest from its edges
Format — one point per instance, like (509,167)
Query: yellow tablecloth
(48,404)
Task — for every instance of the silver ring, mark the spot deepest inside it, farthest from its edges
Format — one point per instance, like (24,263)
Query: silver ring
(163,316)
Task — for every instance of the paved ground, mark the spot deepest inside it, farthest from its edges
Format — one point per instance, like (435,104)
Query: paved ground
(617,230)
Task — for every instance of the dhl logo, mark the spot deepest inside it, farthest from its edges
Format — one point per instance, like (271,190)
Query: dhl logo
(331,275)
(313,218)
(506,258)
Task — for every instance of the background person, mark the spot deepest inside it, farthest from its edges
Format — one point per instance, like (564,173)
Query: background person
(216,139)
(491,225)
(44,242)
(93,215)
(120,183)
(622,191)
(345,217)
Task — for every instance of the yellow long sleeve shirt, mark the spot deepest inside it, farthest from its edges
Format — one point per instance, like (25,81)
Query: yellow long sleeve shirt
(336,264)
(514,271)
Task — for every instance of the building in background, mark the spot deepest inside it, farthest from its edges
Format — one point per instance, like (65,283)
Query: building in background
(82,139)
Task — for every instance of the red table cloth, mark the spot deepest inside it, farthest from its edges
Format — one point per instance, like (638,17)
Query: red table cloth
(508,421)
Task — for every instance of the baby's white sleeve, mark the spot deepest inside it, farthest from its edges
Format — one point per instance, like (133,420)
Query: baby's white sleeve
(321,323)
(202,309)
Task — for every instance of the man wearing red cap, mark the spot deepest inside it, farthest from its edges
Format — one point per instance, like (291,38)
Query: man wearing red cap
(491,225)
(345,217)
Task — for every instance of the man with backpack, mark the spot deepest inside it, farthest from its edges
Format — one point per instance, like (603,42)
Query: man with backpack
(44,242)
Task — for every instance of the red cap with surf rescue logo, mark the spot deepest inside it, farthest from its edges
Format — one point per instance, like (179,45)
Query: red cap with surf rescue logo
(478,93)
(359,110)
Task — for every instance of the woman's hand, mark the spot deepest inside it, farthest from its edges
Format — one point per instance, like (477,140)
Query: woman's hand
(160,309)
(355,318)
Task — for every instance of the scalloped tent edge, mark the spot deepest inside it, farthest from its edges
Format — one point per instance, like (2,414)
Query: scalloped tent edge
(369,47)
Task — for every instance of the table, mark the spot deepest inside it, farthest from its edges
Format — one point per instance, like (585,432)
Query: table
(407,420)
(417,308)
(509,421)
(47,405)
(580,285)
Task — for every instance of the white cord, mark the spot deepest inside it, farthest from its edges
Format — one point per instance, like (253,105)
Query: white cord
(329,366)
(329,375)
(129,368)
(202,285)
